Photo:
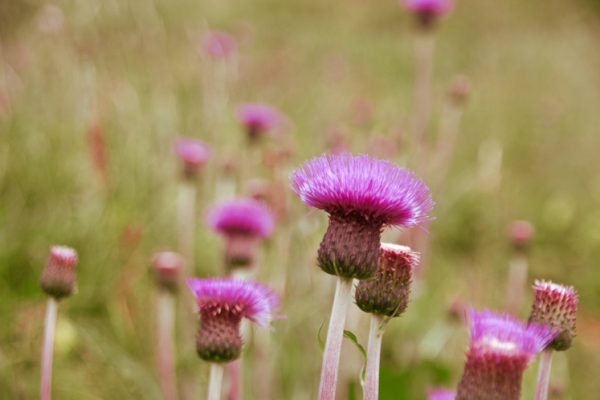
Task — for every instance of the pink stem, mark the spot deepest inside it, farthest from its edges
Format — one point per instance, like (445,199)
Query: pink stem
(371,386)
(235,377)
(541,390)
(165,311)
(335,335)
(215,381)
(47,349)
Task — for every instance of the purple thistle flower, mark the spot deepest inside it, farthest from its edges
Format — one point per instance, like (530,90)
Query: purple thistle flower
(428,11)
(362,195)
(222,303)
(556,305)
(58,277)
(499,351)
(193,154)
(441,394)
(258,119)
(387,292)
(218,45)
(243,223)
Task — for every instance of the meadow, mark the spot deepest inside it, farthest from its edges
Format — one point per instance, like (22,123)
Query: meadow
(94,94)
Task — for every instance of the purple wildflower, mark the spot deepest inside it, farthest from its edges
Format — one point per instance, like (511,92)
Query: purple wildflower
(499,351)
(218,45)
(258,119)
(58,277)
(193,154)
(556,305)
(427,11)
(387,292)
(441,394)
(167,269)
(222,303)
(243,223)
(362,195)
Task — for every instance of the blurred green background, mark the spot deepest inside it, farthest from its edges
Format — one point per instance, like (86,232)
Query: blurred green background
(132,70)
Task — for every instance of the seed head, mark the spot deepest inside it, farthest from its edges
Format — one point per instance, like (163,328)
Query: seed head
(58,277)
(555,305)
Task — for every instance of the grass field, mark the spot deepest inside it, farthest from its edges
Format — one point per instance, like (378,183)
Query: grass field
(132,69)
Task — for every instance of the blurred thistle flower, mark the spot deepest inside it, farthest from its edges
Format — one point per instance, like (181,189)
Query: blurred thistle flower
(218,45)
(521,234)
(428,11)
(222,303)
(441,394)
(243,223)
(460,90)
(500,349)
(58,277)
(555,305)
(167,268)
(387,292)
(258,119)
(362,195)
(193,154)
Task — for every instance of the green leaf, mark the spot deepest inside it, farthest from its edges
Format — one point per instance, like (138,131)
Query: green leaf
(359,346)
(319,338)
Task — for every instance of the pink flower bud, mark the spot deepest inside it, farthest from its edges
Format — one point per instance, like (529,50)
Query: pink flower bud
(58,277)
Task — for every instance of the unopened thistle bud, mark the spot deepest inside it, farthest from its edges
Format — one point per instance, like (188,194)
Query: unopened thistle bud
(428,11)
(520,234)
(243,223)
(387,292)
(167,269)
(555,305)
(499,351)
(222,303)
(362,195)
(58,277)
(193,154)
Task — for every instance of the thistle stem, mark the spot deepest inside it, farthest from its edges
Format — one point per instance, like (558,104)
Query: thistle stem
(371,386)
(216,381)
(165,310)
(517,280)
(186,210)
(48,348)
(335,335)
(541,390)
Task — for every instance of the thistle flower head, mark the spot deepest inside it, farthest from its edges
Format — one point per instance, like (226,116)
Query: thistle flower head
(258,119)
(58,277)
(361,195)
(440,394)
(218,45)
(167,269)
(555,305)
(435,7)
(241,216)
(193,154)
(387,292)
(499,351)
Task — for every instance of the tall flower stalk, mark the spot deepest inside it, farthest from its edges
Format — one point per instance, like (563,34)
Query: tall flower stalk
(555,305)
(362,195)
(167,270)
(222,303)
(520,235)
(384,296)
(58,282)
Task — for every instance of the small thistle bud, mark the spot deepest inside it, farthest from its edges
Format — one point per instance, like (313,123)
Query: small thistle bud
(499,351)
(243,223)
(387,292)
(58,277)
(555,305)
(193,154)
(167,269)
(362,195)
(460,90)
(222,303)
(428,11)
(441,394)
(258,119)
(520,234)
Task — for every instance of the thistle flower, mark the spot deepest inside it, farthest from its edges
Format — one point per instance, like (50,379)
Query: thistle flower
(218,45)
(499,351)
(193,154)
(387,292)
(361,195)
(243,223)
(521,234)
(428,11)
(58,278)
(222,303)
(441,394)
(167,269)
(555,305)
(258,119)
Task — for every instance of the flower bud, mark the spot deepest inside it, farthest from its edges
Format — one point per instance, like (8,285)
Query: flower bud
(167,269)
(58,278)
